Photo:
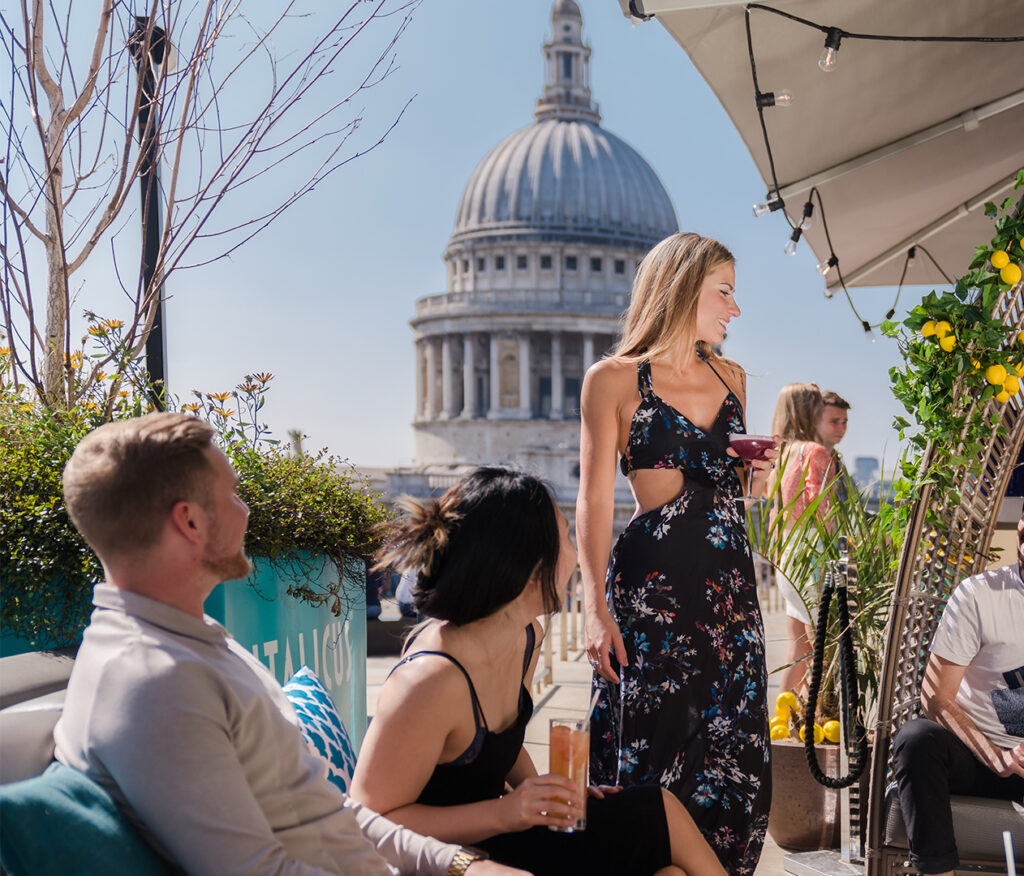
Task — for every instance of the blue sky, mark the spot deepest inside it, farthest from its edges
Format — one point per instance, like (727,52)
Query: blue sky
(323,298)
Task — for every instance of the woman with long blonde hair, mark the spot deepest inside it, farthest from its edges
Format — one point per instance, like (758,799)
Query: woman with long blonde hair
(804,472)
(673,627)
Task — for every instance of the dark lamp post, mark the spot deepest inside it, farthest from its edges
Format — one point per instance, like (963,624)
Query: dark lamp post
(147,58)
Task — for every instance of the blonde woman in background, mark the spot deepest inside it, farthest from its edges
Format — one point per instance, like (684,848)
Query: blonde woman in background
(805,470)
(673,626)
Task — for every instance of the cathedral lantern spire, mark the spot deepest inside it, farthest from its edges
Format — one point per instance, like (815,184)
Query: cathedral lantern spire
(567,69)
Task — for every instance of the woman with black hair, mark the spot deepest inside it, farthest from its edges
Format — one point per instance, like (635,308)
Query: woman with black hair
(444,754)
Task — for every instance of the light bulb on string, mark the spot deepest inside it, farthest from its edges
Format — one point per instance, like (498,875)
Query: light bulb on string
(808,218)
(769,206)
(827,266)
(794,239)
(830,54)
(765,99)
(869,335)
(911,256)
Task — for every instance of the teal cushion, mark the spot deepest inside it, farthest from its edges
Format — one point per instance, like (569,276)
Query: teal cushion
(63,822)
(322,726)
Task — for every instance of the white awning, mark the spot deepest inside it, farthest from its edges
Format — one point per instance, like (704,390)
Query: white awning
(905,141)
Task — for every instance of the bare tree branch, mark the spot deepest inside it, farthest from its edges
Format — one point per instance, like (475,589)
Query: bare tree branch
(250,101)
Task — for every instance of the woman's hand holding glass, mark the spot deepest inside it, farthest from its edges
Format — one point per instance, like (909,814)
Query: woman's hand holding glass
(541,800)
(758,467)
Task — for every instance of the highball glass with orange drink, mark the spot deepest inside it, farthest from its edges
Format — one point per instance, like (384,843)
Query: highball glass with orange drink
(570,757)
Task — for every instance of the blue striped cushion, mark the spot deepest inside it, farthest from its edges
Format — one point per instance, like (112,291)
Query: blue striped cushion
(322,725)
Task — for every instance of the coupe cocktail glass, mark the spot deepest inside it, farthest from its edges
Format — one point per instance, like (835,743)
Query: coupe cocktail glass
(750,448)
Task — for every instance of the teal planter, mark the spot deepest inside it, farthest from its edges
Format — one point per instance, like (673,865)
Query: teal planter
(286,634)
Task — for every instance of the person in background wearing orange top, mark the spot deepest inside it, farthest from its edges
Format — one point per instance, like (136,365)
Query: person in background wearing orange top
(806,469)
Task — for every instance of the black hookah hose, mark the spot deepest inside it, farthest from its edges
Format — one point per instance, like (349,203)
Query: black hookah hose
(848,679)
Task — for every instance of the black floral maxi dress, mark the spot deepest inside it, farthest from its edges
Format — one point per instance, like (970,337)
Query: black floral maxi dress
(690,713)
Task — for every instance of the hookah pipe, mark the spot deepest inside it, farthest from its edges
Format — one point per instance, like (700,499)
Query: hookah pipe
(835,579)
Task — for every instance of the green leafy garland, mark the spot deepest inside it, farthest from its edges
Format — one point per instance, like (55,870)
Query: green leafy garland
(956,357)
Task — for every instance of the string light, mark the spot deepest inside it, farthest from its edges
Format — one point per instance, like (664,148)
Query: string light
(827,62)
(769,206)
(774,98)
(828,265)
(830,54)
(808,218)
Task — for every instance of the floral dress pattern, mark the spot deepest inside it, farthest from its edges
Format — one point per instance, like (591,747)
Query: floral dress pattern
(690,711)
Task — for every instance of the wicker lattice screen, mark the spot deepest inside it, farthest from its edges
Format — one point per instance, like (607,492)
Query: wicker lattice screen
(936,557)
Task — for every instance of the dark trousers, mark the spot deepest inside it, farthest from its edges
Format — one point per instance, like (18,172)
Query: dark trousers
(930,763)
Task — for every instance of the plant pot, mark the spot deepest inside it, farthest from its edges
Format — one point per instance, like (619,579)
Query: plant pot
(285,633)
(805,814)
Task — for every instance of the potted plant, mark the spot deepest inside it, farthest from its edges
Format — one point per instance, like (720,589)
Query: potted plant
(962,360)
(311,525)
(805,814)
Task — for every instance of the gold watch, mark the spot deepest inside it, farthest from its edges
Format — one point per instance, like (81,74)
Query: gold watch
(463,858)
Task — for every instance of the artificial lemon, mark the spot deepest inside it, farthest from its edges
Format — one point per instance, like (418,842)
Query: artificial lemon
(784,702)
(1000,259)
(777,720)
(942,329)
(1011,384)
(778,732)
(928,329)
(1010,275)
(948,343)
(831,731)
(976,365)
(1002,396)
(819,734)
(995,374)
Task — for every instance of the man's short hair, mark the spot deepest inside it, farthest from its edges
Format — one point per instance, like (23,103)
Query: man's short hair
(123,478)
(835,400)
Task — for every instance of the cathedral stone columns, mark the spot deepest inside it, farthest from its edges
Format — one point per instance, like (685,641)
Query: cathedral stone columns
(588,350)
(525,402)
(448,394)
(421,389)
(430,395)
(469,401)
(493,409)
(557,381)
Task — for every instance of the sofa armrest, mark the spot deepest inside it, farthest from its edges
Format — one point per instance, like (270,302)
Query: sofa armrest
(26,736)
(27,676)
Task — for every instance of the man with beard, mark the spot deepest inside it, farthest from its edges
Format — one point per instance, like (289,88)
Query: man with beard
(188,732)
(972,740)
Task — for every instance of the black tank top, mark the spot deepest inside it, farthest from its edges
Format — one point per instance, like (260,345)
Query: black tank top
(479,772)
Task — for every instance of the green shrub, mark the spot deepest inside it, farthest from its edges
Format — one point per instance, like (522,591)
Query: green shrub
(48,570)
(305,506)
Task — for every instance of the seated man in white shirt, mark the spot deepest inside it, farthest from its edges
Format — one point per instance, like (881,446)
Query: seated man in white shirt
(973,694)
(183,727)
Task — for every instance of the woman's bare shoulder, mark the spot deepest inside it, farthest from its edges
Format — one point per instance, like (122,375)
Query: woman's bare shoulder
(612,374)
(734,376)
(731,370)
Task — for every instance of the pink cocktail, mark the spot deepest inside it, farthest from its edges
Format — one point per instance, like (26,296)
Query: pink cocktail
(751,447)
